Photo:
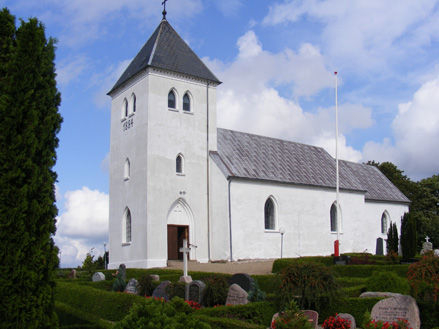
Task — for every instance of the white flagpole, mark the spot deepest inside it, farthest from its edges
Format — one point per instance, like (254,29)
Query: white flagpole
(336,161)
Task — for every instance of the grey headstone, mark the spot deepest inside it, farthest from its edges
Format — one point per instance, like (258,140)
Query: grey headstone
(155,277)
(372,294)
(401,307)
(349,317)
(161,290)
(72,274)
(132,287)
(426,246)
(236,295)
(123,271)
(313,318)
(98,276)
(380,247)
(243,280)
(196,289)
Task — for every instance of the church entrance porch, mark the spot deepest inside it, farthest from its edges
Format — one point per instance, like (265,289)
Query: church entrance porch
(176,235)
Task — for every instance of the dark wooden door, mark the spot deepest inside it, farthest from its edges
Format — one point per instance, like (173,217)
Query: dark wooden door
(176,235)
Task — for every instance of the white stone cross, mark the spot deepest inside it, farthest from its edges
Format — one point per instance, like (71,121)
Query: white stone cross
(427,239)
(185,250)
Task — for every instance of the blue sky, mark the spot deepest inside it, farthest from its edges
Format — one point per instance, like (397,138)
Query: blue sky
(276,60)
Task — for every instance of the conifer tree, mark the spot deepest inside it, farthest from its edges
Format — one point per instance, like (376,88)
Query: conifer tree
(29,126)
(408,235)
(392,238)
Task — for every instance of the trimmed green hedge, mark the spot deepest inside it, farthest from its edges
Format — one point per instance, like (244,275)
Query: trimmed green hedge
(106,305)
(259,313)
(70,318)
(365,271)
(222,323)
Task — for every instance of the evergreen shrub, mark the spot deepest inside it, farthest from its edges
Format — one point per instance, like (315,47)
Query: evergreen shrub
(255,294)
(423,278)
(146,285)
(292,317)
(408,236)
(215,291)
(176,289)
(365,271)
(387,282)
(313,284)
(119,284)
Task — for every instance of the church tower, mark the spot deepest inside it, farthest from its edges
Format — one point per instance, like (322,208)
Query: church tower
(163,125)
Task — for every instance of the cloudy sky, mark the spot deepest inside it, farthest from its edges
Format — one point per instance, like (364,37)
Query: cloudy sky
(276,59)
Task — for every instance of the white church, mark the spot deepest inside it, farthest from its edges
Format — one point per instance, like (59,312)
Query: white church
(175,175)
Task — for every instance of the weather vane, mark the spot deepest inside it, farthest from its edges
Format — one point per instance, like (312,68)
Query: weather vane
(164,8)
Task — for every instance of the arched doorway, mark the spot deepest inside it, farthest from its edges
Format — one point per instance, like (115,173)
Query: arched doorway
(180,225)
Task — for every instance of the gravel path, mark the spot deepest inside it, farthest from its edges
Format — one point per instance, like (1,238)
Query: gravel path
(260,267)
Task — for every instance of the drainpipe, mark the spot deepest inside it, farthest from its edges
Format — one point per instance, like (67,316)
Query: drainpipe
(230,221)
(208,173)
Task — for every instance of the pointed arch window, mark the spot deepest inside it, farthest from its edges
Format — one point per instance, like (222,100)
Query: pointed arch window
(133,103)
(334,217)
(124,108)
(270,215)
(171,100)
(127,169)
(127,226)
(186,103)
(384,222)
(179,164)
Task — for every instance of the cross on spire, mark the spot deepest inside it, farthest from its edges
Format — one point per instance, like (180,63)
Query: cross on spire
(164,9)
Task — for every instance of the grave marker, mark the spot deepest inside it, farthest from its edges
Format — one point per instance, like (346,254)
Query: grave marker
(400,307)
(161,290)
(236,295)
(243,280)
(98,276)
(132,287)
(196,289)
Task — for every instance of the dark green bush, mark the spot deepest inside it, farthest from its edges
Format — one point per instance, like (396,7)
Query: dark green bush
(313,284)
(292,317)
(423,278)
(70,317)
(160,314)
(225,323)
(176,289)
(255,294)
(408,235)
(119,284)
(282,263)
(365,271)
(215,291)
(387,282)
(146,285)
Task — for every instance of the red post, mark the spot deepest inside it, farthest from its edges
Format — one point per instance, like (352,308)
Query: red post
(336,248)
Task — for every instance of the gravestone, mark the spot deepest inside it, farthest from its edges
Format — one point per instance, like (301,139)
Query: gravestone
(349,317)
(436,252)
(98,276)
(132,287)
(342,260)
(426,246)
(243,280)
(123,271)
(236,295)
(313,318)
(401,307)
(161,290)
(154,277)
(72,274)
(380,247)
(196,289)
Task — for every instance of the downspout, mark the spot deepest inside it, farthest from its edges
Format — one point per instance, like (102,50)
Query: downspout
(208,173)
(230,221)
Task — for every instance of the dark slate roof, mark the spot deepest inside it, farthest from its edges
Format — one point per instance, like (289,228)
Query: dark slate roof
(248,156)
(166,50)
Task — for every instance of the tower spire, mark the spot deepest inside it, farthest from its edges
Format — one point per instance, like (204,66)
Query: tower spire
(164,9)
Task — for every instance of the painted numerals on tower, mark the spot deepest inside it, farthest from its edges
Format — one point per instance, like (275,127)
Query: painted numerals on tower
(128,124)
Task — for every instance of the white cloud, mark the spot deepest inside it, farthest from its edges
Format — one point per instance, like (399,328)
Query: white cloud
(70,69)
(365,35)
(249,99)
(229,7)
(84,224)
(416,135)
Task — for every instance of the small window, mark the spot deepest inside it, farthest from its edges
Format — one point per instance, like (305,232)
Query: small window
(127,169)
(179,164)
(133,103)
(269,214)
(384,222)
(127,226)
(334,217)
(186,103)
(125,109)
(171,100)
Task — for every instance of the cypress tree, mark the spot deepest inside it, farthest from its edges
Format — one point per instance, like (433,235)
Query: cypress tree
(408,236)
(29,126)
(392,238)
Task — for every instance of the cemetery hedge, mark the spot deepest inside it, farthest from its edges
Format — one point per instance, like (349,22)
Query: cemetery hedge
(71,318)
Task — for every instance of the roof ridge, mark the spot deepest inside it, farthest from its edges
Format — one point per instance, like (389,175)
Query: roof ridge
(155,43)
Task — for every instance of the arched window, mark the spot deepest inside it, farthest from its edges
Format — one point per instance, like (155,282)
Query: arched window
(127,169)
(133,103)
(127,226)
(384,222)
(125,108)
(186,103)
(171,100)
(334,217)
(269,215)
(179,164)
